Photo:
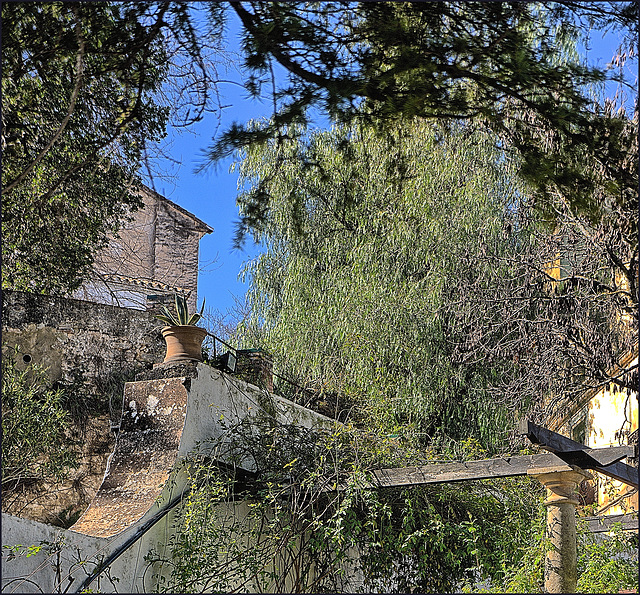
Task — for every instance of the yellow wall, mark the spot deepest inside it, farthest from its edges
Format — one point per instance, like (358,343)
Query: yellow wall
(612,416)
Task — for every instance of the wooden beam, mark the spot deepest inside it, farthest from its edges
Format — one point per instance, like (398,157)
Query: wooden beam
(554,442)
(602,460)
(602,524)
(470,470)
(595,457)
(621,472)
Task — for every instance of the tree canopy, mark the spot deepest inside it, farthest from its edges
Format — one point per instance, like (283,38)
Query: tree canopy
(87,88)
(369,241)
(409,274)
(84,96)
(506,64)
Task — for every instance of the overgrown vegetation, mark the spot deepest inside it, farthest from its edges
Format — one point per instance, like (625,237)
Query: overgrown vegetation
(89,89)
(302,519)
(45,431)
(284,509)
(607,563)
(410,275)
(35,444)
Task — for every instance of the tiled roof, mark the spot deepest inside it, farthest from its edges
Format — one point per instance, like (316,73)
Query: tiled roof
(142,283)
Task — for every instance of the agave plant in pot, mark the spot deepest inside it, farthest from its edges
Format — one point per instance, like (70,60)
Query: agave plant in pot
(183,337)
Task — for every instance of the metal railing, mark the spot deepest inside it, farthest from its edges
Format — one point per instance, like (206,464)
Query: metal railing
(215,357)
(219,340)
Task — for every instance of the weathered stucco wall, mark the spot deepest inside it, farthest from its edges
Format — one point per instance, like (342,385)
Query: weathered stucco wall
(71,555)
(165,419)
(612,418)
(606,417)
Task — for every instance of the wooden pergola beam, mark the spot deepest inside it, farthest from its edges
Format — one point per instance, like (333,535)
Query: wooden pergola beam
(602,460)
(560,471)
(469,470)
(505,466)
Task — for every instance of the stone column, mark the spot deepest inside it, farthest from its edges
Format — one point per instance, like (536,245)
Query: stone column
(560,574)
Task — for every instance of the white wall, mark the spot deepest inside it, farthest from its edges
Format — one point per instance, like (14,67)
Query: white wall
(213,399)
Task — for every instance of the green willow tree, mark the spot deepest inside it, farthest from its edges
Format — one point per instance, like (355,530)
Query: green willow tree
(412,275)
(408,286)
(368,239)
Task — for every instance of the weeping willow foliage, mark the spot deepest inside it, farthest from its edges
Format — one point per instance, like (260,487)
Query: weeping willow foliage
(376,250)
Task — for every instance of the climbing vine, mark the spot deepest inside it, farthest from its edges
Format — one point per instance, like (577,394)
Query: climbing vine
(292,510)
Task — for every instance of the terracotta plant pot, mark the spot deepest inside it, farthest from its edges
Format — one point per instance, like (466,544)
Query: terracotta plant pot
(184,343)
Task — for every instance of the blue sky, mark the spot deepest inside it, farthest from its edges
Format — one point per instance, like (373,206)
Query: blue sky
(211,196)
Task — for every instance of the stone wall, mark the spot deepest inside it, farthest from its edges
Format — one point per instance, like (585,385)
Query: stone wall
(131,253)
(80,342)
(176,250)
(90,350)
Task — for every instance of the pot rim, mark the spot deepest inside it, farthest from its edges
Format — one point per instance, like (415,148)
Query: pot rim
(184,326)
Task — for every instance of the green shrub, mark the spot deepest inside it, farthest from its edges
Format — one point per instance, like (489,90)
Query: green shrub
(607,564)
(33,426)
(286,528)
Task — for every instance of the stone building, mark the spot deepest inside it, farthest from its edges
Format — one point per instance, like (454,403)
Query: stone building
(92,344)
(154,256)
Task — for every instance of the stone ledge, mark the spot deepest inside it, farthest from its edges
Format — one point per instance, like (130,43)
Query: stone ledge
(171,370)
